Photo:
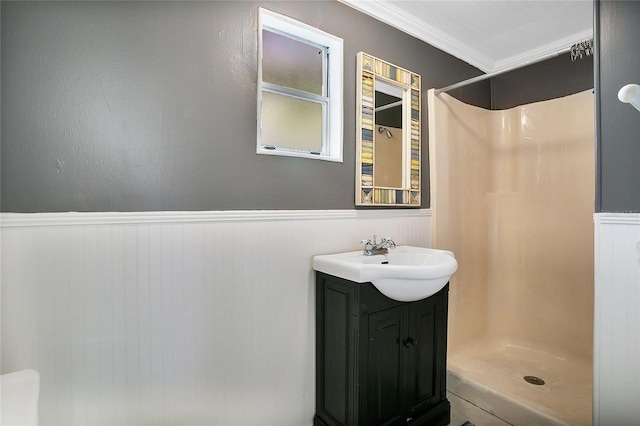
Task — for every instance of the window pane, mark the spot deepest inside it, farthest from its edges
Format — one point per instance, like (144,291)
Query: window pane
(291,122)
(291,63)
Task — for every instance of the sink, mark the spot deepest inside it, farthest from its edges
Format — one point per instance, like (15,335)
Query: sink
(405,274)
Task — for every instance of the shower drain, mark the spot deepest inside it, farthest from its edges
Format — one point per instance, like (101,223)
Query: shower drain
(534,380)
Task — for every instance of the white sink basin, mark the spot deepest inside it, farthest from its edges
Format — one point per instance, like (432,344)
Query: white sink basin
(405,274)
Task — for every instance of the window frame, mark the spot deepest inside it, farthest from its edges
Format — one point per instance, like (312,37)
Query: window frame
(332,96)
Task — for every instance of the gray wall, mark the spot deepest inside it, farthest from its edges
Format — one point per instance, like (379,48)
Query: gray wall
(617,124)
(143,106)
(546,80)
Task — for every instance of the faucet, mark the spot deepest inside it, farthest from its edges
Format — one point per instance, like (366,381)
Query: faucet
(373,248)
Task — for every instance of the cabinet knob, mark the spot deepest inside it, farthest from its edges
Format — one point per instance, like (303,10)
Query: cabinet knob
(409,342)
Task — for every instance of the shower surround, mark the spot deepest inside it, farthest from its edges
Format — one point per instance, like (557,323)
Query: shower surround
(513,197)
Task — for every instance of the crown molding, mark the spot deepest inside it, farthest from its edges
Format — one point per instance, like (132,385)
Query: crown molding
(385,11)
(540,52)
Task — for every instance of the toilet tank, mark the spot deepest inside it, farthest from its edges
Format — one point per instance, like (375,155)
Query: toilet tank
(19,393)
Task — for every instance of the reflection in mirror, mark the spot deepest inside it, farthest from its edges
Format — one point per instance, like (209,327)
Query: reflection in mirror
(387,137)
(388,145)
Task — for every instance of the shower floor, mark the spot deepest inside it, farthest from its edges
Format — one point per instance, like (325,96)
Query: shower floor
(491,376)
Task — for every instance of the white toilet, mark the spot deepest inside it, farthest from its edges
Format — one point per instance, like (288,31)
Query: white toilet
(19,393)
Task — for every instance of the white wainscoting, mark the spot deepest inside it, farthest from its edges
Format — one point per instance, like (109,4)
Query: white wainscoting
(617,319)
(190,318)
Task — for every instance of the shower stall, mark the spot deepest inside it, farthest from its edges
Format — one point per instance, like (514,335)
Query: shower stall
(513,198)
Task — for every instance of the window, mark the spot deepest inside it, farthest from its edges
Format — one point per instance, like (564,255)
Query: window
(300,89)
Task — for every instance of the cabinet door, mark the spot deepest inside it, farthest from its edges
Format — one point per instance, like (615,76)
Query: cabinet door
(385,370)
(336,393)
(424,375)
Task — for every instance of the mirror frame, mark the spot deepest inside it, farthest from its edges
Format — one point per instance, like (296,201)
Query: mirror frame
(370,70)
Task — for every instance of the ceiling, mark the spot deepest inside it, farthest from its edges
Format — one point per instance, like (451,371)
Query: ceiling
(492,35)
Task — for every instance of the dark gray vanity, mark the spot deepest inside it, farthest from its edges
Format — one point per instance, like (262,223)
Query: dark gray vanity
(379,361)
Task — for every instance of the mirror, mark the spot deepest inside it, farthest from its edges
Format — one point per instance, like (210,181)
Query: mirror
(388,134)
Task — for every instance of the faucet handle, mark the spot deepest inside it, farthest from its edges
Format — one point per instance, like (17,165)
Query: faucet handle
(389,241)
(368,246)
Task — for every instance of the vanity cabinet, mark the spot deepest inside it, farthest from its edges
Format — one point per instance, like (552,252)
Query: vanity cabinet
(379,361)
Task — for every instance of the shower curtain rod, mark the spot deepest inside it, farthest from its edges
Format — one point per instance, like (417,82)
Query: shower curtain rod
(577,50)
